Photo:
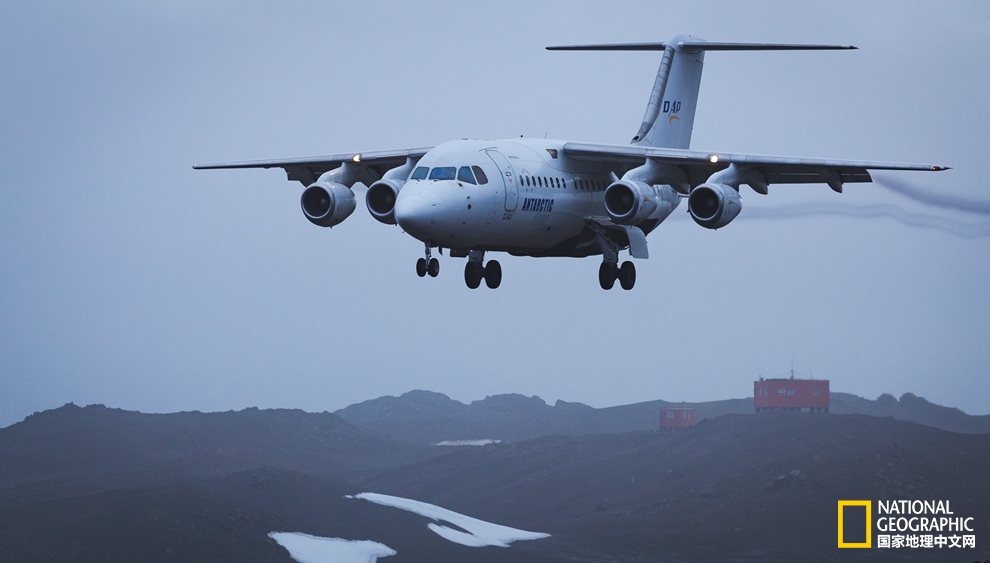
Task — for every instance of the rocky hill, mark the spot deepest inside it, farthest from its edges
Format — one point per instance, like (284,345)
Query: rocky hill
(739,488)
(426,417)
(74,450)
(912,408)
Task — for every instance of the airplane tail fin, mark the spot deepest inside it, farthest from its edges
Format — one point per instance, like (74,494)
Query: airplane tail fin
(669,118)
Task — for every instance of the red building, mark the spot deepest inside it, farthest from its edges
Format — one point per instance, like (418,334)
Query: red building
(677,418)
(791,394)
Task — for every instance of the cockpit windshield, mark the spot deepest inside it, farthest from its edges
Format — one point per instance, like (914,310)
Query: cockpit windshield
(443,173)
(465,175)
(420,173)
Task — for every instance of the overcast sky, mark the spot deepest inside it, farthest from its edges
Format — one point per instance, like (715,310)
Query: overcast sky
(129,279)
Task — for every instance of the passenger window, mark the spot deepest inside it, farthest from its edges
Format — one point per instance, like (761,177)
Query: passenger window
(465,175)
(420,173)
(445,173)
(482,179)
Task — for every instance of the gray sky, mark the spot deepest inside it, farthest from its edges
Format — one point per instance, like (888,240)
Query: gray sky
(127,278)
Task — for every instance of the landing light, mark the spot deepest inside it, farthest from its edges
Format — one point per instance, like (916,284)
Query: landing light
(713,158)
(357,158)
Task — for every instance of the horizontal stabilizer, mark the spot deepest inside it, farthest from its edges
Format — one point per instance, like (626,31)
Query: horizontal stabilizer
(700,46)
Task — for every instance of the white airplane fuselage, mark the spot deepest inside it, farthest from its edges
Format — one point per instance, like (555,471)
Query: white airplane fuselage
(536,201)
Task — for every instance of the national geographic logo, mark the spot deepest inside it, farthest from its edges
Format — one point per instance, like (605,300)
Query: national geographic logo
(903,524)
(854,523)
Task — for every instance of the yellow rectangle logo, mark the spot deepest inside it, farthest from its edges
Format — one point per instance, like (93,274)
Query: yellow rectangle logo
(868,506)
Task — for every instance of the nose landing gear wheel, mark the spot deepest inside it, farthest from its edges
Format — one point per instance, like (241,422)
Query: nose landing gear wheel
(433,267)
(472,275)
(607,273)
(627,275)
(493,274)
(421,267)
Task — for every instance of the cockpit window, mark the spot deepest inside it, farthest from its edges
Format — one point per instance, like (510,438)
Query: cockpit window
(465,175)
(420,173)
(443,173)
(482,179)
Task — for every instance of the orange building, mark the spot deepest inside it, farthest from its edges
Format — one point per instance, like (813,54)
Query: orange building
(678,418)
(791,394)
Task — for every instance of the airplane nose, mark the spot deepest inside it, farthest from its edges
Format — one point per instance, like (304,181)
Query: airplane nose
(416,213)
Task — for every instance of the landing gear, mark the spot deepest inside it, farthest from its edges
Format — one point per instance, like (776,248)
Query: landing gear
(428,265)
(608,272)
(627,275)
(473,274)
(493,274)
(476,270)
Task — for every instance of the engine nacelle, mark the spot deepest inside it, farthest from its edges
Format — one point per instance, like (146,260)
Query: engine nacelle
(714,205)
(629,203)
(327,204)
(381,200)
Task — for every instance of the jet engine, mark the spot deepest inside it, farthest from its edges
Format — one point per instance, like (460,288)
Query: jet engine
(327,204)
(714,205)
(629,203)
(381,195)
(381,200)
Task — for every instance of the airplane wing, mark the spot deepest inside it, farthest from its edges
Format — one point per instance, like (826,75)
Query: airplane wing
(307,169)
(698,166)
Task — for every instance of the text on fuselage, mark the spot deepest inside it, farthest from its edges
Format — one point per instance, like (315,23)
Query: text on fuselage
(537,204)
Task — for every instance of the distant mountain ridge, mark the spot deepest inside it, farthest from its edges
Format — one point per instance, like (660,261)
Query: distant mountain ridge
(426,417)
(912,408)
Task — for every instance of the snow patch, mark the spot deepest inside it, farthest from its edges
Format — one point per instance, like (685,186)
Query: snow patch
(467,442)
(305,548)
(479,533)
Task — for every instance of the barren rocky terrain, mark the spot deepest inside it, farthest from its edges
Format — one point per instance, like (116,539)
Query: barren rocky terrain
(99,484)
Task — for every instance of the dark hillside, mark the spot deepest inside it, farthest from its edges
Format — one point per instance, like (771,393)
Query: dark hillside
(97,484)
(736,487)
(73,449)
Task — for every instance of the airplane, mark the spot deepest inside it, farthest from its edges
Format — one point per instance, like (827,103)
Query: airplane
(541,198)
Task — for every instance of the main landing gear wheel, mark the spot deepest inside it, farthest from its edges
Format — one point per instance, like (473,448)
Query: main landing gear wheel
(627,275)
(607,273)
(493,274)
(433,268)
(421,267)
(473,274)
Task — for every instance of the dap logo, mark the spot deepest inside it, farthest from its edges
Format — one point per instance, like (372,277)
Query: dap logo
(672,107)
(854,526)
